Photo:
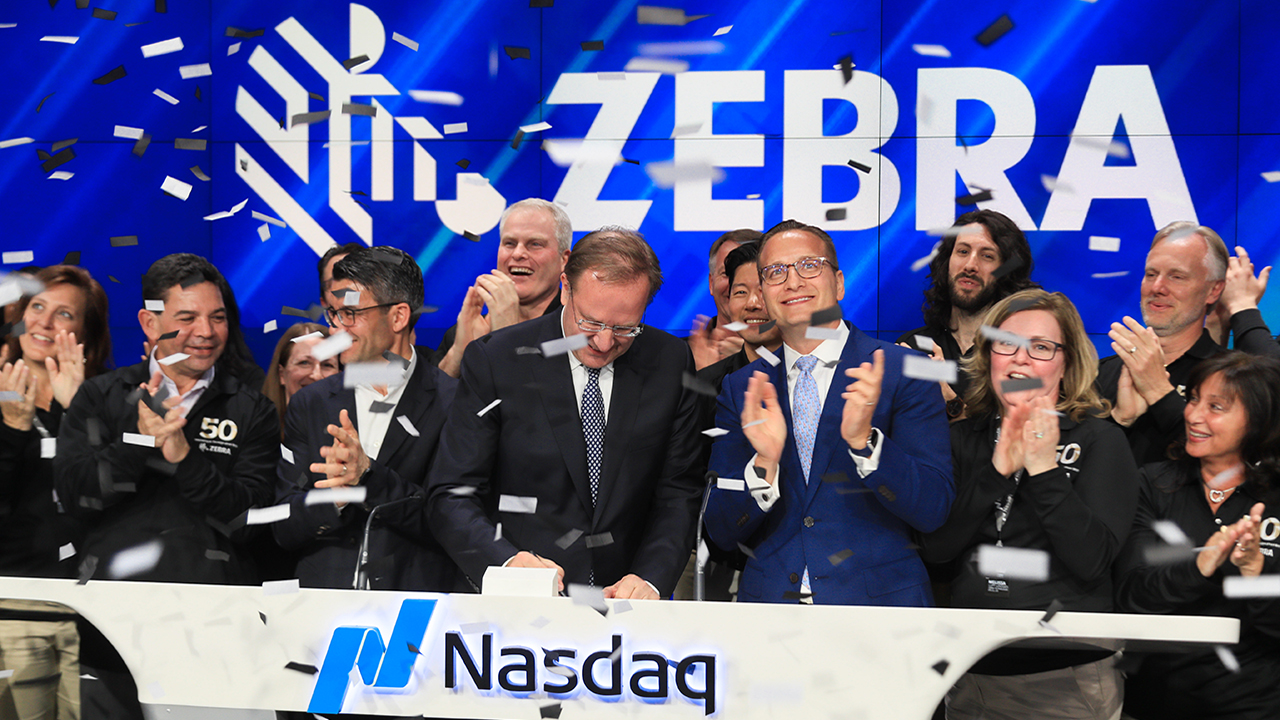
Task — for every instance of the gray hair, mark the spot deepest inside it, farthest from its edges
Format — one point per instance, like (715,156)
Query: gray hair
(564,228)
(1215,261)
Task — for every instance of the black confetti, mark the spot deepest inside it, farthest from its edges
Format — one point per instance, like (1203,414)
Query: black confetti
(72,258)
(1054,608)
(162,6)
(1020,385)
(515,142)
(633,162)
(837,558)
(315,96)
(463,163)
(124,240)
(995,31)
(308,118)
(846,68)
(292,311)
(592,45)
(552,710)
(516,52)
(359,109)
(413,648)
(767,327)
(526,350)
(62,158)
(836,214)
(189,144)
(829,315)
(263,616)
(218,555)
(859,166)
(941,667)
(111,76)
(238,33)
(1008,266)
(46,97)
(381,407)
(702,387)
(104,14)
(88,567)
(140,146)
(301,667)
(794,595)
(974,198)
(835,477)
(64,143)
(470,236)
(541,3)
(357,60)
(168,335)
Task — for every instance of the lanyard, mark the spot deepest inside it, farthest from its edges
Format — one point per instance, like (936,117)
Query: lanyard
(1002,510)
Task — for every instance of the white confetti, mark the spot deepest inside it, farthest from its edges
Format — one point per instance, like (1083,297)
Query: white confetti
(322,496)
(135,560)
(351,298)
(666,174)
(411,44)
(923,368)
(1236,586)
(925,343)
(537,127)
(497,532)
(164,47)
(715,432)
(475,627)
(436,97)
(264,232)
(16,141)
(371,373)
(66,551)
(1272,176)
(1121,273)
(517,504)
(451,128)
(932,50)
(269,326)
(176,187)
(821,333)
(768,356)
(194,71)
(18,256)
(287,454)
(736,326)
(996,334)
(65,39)
(589,595)
(1227,657)
(1014,563)
(731,484)
(165,96)
(1169,531)
(267,219)
(172,359)
(48,447)
(488,407)
(153,305)
(266,515)
(1102,243)
(281,587)
(621,606)
(563,345)
(722,31)
(313,334)
(408,426)
(691,47)
(124,131)
(139,440)
(331,346)
(658,65)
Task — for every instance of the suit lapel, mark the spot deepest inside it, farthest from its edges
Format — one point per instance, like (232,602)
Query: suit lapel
(624,403)
(414,403)
(559,402)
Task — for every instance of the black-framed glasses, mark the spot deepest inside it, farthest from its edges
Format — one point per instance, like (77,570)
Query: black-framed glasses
(346,317)
(592,326)
(1037,348)
(807,268)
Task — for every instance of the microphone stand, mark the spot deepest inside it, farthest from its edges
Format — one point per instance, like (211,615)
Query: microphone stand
(361,581)
(699,563)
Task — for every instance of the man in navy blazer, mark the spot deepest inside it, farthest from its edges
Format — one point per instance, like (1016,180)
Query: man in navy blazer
(878,451)
(374,425)
(512,483)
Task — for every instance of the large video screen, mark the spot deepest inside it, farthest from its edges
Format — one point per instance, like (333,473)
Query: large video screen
(260,133)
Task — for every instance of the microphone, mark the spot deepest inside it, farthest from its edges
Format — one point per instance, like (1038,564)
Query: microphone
(699,562)
(361,581)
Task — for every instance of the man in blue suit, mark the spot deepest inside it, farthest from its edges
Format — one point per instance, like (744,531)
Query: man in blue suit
(837,475)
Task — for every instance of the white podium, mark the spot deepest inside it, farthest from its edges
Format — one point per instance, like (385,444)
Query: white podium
(472,656)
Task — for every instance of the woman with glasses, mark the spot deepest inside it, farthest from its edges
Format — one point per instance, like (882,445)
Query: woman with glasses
(293,367)
(1220,490)
(1036,468)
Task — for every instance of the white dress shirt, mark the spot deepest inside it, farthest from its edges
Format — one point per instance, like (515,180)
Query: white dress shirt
(373,426)
(188,400)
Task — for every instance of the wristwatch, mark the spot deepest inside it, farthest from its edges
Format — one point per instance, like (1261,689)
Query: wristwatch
(955,408)
(872,438)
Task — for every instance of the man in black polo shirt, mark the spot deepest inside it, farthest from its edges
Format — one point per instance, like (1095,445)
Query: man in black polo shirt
(1145,380)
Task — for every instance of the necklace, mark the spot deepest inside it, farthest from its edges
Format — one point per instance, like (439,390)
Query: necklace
(1217,496)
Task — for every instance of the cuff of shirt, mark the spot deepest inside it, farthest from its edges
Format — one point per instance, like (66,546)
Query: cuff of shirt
(764,493)
(871,463)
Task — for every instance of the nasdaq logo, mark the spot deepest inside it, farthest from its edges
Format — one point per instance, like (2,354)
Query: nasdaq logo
(381,665)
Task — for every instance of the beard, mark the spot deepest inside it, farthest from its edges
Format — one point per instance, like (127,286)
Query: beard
(973,303)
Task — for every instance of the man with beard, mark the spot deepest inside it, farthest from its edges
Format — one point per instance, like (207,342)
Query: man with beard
(533,244)
(983,259)
(1185,273)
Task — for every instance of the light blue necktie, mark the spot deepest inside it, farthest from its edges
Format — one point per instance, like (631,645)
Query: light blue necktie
(807,411)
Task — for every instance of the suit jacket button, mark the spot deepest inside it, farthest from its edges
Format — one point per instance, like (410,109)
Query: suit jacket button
(808,521)
(794,578)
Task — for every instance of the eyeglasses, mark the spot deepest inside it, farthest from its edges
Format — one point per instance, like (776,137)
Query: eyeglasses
(808,268)
(592,326)
(1038,349)
(346,317)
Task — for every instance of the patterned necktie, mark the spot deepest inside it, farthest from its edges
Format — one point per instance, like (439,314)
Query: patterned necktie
(593,428)
(807,410)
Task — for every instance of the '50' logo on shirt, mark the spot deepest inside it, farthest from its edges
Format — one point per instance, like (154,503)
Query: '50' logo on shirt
(215,429)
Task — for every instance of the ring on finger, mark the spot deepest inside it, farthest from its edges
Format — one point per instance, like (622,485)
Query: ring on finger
(1133,349)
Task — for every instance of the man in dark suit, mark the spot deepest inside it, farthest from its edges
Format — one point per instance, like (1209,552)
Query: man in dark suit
(378,433)
(609,502)
(837,476)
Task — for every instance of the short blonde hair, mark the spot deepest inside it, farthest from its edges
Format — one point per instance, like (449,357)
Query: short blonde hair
(1077,395)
